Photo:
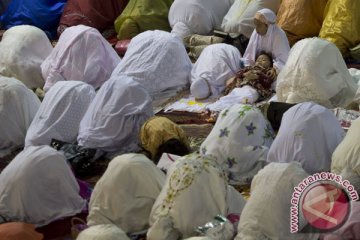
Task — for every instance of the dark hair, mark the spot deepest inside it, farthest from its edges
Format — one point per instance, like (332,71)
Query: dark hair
(172,146)
(269,55)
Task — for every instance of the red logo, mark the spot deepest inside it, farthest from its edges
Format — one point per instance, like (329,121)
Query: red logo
(325,206)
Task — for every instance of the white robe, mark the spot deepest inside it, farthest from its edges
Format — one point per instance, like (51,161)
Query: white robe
(60,113)
(157,60)
(316,71)
(18,106)
(113,120)
(240,140)
(39,187)
(82,54)
(273,42)
(197,16)
(103,232)
(267,213)
(345,159)
(216,64)
(22,50)
(126,192)
(309,134)
(195,192)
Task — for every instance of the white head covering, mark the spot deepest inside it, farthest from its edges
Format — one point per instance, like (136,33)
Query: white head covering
(60,113)
(38,187)
(81,54)
(126,192)
(217,63)
(346,157)
(309,134)
(193,183)
(114,118)
(267,213)
(316,72)
(273,42)
(22,50)
(157,60)
(103,232)
(18,106)
(240,139)
(199,16)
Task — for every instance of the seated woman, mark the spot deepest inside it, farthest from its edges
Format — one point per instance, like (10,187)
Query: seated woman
(345,159)
(158,61)
(160,135)
(113,120)
(38,187)
(267,37)
(142,15)
(307,77)
(60,113)
(309,134)
(240,139)
(188,17)
(216,64)
(22,51)
(267,213)
(126,192)
(18,108)
(81,54)
(93,13)
(195,191)
(250,84)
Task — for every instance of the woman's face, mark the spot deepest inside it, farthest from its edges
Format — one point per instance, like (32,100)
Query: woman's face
(260,27)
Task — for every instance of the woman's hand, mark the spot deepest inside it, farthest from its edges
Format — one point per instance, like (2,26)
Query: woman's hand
(272,73)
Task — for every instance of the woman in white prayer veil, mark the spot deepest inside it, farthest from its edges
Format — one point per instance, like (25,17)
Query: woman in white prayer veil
(126,192)
(39,187)
(60,113)
(22,51)
(267,213)
(240,139)
(18,106)
(113,120)
(195,191)
(188,17)
(216,64)
(267,37)
(309,134)
(157,60)
(82,54)
(346,157)
(316,71)
(103,232)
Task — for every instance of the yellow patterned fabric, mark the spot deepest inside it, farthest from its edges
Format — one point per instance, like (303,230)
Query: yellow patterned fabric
(142,15)
(157,131)
(301,19)
(341,24)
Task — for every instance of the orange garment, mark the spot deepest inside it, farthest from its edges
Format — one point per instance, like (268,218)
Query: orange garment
(19,231)
(301,19)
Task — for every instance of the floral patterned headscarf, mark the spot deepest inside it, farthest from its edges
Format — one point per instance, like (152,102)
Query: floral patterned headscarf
(240,139)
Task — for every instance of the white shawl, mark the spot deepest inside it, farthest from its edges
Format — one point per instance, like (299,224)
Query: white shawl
(22,50)
(82,54)
(38,187)
(60,113)
(113,120)
(126,192)
(18,106)
(309,134)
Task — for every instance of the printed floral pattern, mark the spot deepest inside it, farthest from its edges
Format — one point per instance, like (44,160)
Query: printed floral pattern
(250,128)
(224,132)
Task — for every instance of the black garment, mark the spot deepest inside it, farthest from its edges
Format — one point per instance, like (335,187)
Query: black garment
(275,113)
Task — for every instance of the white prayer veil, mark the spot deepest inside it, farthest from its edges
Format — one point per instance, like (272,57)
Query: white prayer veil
(22,51)
(60,113)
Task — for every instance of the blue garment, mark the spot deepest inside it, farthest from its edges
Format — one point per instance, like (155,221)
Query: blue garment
(44,14)
(3,5)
